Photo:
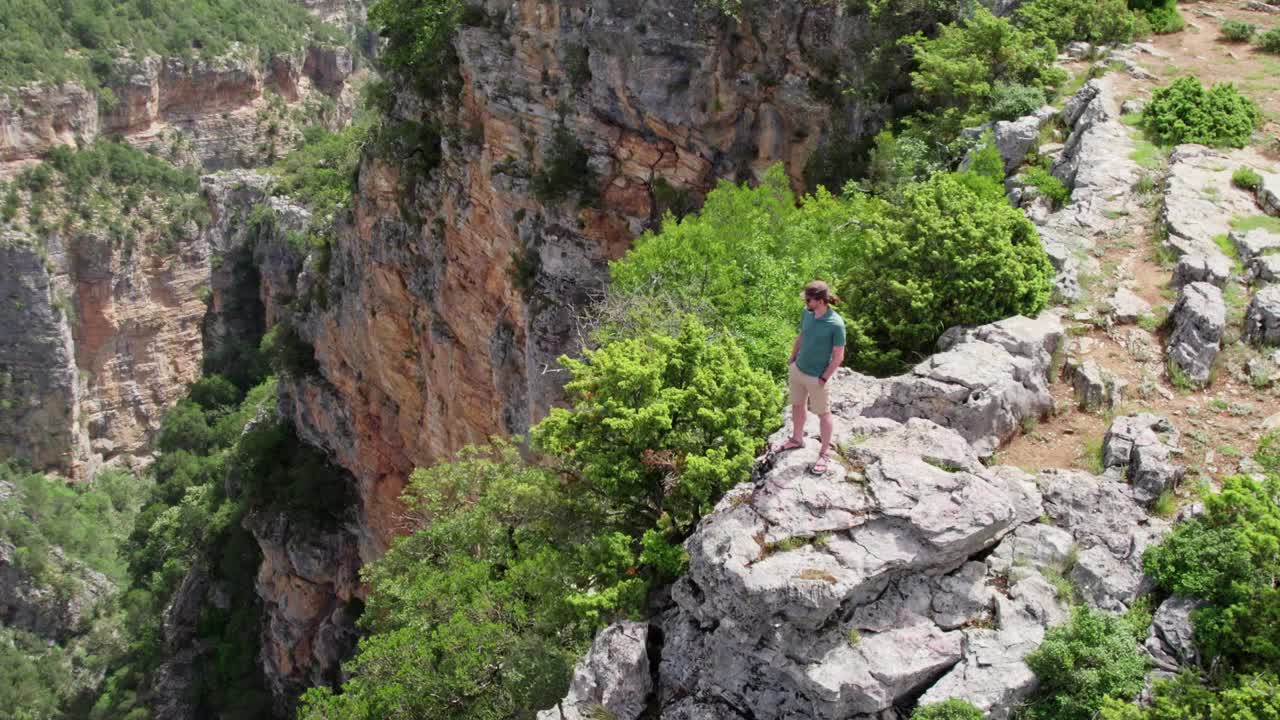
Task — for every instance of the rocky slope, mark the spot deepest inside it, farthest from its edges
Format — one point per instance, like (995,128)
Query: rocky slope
(910,572)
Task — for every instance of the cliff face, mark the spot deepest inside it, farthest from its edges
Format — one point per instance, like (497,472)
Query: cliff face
(450,298)
(229,112)
(41,421)
(107,338)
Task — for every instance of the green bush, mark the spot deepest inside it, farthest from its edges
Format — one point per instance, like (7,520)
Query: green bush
(470,615)
(1062,21)
(565,169)
(945,255)
(947,710)
(1269,41)
(1246,178)
(662,425)
(288,351)
(1048,185)
(1228,558)
(1237,31)
(1161,16)
(899,160)
(419,36)
(320,173)
(958,70)
(1081,663)
(1009,101)
(1188,697)
(1186,112)
(87,522)
(120,164)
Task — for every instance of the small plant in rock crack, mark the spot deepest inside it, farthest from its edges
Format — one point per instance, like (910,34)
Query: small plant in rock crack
(854,637)
(1179,379)
(1091,456)
(1246,178)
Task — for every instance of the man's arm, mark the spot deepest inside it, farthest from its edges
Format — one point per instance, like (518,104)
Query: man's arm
(795,349)
(837,358)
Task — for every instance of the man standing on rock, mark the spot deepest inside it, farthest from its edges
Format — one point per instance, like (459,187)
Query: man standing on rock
(815,356)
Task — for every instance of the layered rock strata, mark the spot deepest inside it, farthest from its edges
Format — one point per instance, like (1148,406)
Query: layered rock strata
(217,112)
(41,421)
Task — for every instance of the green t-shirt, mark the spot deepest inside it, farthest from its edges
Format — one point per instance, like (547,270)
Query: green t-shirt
(817,337)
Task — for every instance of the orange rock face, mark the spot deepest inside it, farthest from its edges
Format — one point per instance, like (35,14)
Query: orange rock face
(137,336)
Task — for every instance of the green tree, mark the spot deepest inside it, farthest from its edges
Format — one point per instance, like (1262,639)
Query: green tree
(944,255)
(470,615)
(958,70)
(738,265)
(1062,21)
(419,35)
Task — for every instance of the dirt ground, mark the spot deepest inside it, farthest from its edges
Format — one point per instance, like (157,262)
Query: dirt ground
(1221,423)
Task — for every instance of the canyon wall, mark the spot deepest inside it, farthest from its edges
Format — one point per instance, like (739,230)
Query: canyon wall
(227,112)
(450,295)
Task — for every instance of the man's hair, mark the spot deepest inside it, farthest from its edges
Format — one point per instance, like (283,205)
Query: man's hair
(818,290)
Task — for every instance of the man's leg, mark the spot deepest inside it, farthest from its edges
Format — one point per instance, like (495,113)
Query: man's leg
(799,397)
(826,424)
(798,414)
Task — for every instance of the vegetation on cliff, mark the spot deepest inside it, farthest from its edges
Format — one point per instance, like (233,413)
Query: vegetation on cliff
(58,538)
(107,191)
(222,453)
(84,39)
(482,610)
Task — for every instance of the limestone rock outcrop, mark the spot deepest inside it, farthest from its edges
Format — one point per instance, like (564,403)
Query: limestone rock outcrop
(613,679)
(1198,320)
(842,595)
(982,384)
(1143,449)
(1095,164)
(1195,217)
(1262,318)
(41,421)
(28,604)
(308,580)
(1110,530)
(1171,641)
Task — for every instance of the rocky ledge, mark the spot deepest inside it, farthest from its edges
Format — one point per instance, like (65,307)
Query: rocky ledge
(910,572)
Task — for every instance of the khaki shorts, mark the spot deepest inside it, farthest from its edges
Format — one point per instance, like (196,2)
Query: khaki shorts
(807,387)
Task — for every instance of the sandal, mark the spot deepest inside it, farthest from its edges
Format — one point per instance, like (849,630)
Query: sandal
(790,444)
(819,468)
